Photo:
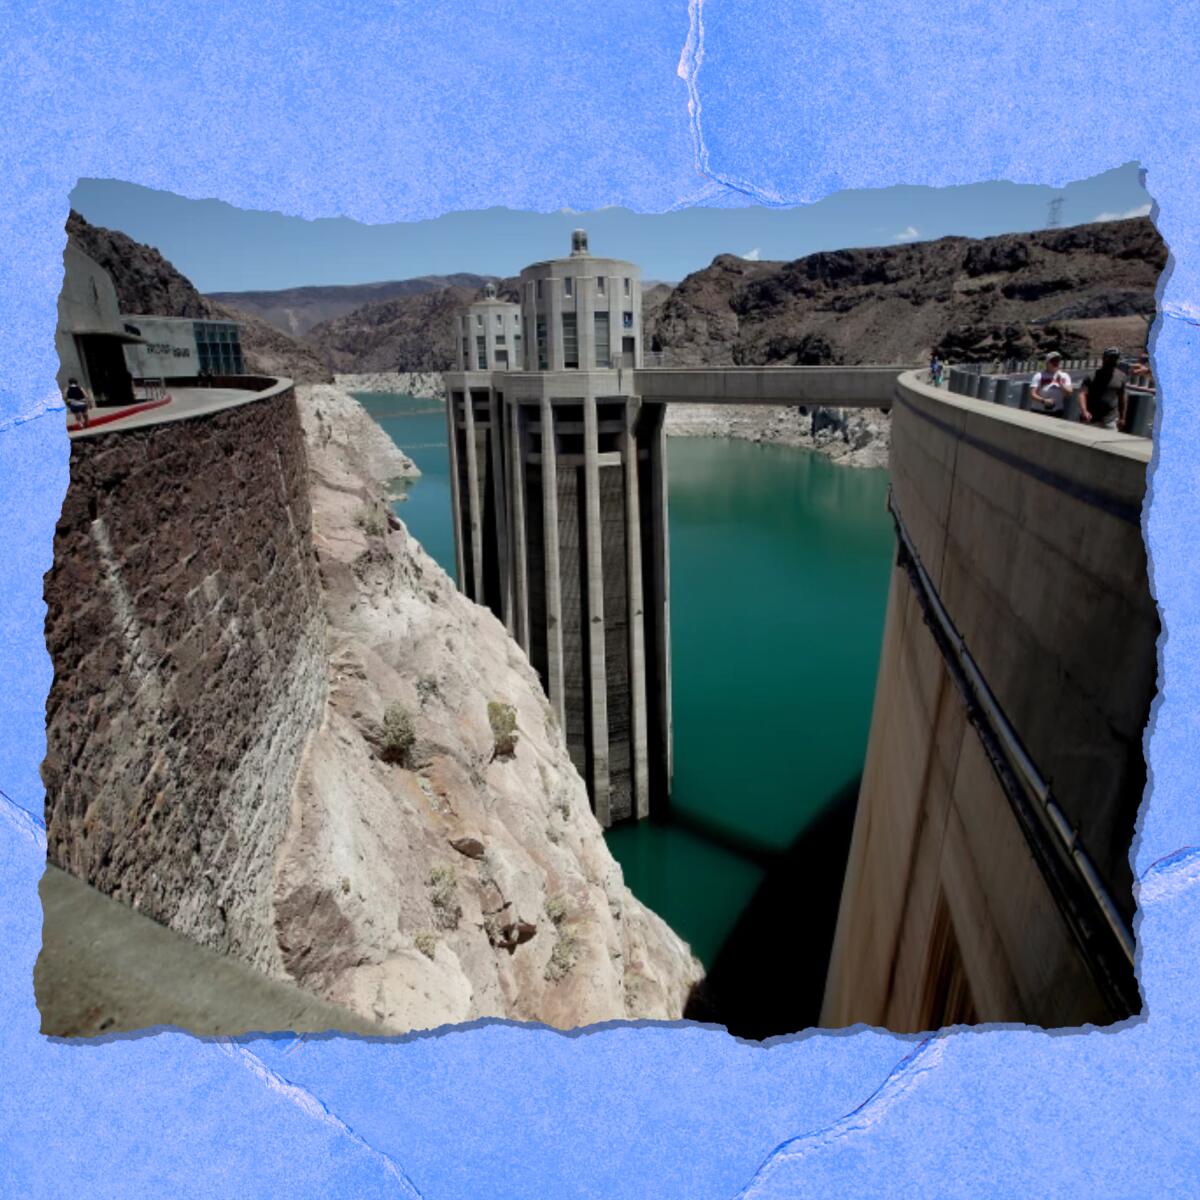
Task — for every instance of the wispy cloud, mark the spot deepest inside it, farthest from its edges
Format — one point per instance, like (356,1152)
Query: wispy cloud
(907,235)
(753,255)
(1142,210)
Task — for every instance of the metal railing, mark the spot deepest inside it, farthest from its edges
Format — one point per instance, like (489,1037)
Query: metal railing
(1009,384)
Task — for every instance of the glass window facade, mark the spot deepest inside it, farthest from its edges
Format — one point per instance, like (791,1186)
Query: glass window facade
(542,352)
(570,333)
(481,352)
(603,350)
(218,348)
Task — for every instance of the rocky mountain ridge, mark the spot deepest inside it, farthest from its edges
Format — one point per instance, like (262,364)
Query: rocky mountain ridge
(1013,295)
(296,310)
(1008,296)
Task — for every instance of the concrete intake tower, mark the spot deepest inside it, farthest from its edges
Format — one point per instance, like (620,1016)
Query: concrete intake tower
(558,486)
(558,480)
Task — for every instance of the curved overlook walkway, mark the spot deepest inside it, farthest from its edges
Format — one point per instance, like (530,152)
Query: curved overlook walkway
(178,404)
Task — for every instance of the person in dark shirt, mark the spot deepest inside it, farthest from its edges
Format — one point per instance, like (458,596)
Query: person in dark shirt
(1102,398)
(77,402)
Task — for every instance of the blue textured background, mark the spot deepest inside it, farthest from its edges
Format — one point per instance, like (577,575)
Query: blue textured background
(385,112)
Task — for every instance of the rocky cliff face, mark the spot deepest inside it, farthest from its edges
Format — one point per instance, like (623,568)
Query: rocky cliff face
(852,437)
(1007,296)
(147,283)
(428,384)
(442,861)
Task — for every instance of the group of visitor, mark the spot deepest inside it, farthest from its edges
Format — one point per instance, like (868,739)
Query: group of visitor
(1103,398)
(1103,395)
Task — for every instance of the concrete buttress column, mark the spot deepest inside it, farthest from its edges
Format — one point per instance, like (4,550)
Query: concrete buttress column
(637,633)
(594,567)
(500,500)
(518,559)
(662,591)
(554,647)
(455,491)
(475,516)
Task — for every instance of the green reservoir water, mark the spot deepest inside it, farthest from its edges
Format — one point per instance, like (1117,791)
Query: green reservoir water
(418,427)
(779,572)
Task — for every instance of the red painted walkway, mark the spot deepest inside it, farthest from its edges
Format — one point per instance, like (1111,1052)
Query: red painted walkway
(108,418)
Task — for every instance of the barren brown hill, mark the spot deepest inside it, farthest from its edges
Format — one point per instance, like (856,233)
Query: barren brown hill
(410,333)
(1008,296)
(295,311)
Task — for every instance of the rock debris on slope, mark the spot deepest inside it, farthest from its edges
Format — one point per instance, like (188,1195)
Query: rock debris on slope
(431,875)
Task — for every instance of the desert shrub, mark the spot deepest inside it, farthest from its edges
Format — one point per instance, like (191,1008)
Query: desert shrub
(427,687)
(426,942)
(372,522)
(563,957)
(399,735)
(503,720)
(444,897)
(556,909)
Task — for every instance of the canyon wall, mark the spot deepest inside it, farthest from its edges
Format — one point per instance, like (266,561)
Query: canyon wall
(443,862)
(185,624)
(278,729)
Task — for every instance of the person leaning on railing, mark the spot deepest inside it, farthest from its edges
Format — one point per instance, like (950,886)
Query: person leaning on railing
(1103,400)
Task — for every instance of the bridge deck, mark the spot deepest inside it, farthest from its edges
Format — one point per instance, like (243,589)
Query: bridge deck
(840,387)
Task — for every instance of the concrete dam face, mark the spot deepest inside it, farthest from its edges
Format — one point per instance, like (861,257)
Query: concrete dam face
(989,874)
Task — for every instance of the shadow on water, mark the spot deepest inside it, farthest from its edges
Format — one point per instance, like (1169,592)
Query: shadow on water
(768,977)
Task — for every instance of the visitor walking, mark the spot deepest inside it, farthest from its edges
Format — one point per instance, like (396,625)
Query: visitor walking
(1051,388)
(936,370)
(77,402)
(1102,397)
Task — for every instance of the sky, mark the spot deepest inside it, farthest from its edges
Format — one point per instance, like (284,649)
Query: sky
(222,248)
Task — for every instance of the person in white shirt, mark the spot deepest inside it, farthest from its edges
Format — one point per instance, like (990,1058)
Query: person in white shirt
(1051,388)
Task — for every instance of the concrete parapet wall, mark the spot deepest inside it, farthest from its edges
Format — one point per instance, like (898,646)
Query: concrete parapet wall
(833,387)
(187,635)
(1029,531)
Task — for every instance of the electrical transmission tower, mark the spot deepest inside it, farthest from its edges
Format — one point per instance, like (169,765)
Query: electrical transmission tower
(1054,216)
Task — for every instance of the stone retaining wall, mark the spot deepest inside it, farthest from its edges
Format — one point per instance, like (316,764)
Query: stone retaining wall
(186,629)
